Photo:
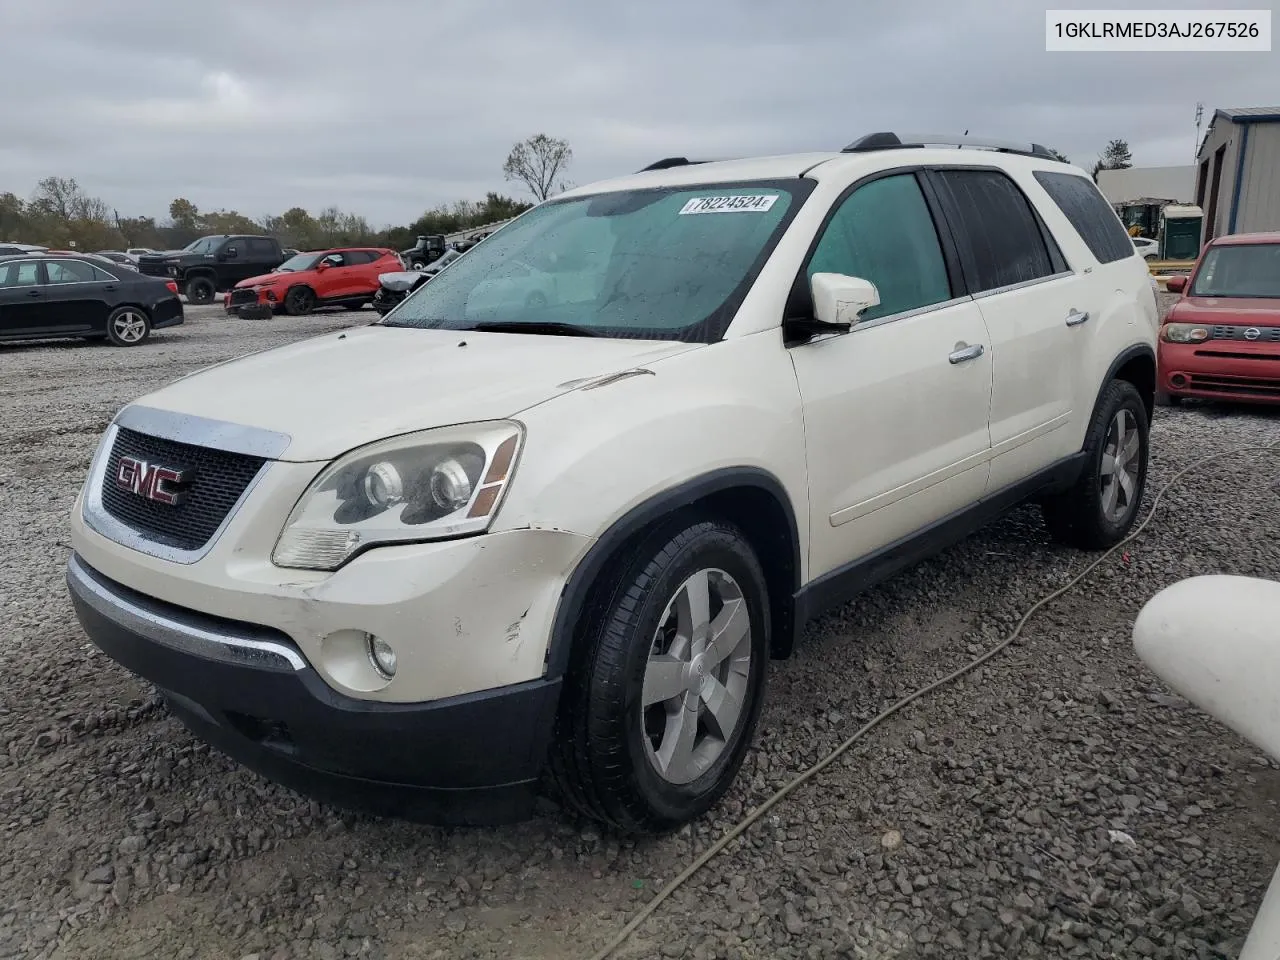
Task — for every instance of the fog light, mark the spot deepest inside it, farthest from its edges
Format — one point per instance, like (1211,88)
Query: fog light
(1178,380)
(382,656)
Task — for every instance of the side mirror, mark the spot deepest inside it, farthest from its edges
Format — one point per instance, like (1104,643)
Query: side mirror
(837,301)
(323,265)
(1176,284)
(230,253)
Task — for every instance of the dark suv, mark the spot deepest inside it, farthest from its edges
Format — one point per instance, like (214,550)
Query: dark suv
(210,265)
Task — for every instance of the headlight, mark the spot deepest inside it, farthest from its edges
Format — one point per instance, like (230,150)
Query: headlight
(422,486)
(1185,333)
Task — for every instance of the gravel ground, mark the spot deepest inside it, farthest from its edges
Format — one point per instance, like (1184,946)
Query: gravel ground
(975,823)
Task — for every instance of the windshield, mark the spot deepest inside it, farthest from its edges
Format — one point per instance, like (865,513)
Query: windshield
(1239,270)
(203,245)
(303,261)
(668,264)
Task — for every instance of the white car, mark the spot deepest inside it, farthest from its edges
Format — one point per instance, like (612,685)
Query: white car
(412,565)
(1147,249)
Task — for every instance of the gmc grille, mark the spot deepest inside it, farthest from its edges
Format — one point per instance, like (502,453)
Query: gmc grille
(218,481)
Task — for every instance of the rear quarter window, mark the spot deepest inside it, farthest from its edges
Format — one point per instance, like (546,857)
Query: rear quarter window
(1090,214)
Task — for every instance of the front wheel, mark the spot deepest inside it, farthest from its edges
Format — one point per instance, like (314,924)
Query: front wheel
(299,301)
(1099,510)
(663,697)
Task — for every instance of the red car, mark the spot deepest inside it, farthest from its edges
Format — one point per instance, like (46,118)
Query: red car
(346,277)
(1221,340)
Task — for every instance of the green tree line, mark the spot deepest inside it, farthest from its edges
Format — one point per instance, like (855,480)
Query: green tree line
(61,215)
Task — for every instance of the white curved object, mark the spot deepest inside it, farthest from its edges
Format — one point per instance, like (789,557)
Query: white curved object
(1216,640)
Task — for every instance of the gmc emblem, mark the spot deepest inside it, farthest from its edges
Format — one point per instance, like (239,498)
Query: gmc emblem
(151,480)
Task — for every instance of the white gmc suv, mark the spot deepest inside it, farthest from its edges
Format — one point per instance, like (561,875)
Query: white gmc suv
(556,511)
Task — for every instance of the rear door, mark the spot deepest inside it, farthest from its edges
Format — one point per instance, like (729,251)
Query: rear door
(363,275)
(895,411)
(24,308)
(80,295)
(1031,303)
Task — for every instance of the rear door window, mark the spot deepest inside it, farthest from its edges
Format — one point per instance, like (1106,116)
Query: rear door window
(1000,236)
(1090,214)
(70,271)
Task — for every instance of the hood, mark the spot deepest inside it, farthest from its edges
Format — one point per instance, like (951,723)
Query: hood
(338,391)
(1247,311)
(265,278)
(162,255)
(400,280)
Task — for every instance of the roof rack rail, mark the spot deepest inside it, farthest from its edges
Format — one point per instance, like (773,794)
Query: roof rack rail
(893,141)
(670,162)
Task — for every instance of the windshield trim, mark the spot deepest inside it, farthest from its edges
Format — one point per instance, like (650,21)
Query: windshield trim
(709,329)
(1195,280)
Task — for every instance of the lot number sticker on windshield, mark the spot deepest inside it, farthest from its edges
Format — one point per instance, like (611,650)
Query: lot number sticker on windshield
(742,203)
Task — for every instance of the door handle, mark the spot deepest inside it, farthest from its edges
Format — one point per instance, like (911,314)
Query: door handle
(110,287)
(33,293)
(961,354)
(1075,317)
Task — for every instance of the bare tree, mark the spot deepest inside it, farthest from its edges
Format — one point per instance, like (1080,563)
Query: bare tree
(538,163)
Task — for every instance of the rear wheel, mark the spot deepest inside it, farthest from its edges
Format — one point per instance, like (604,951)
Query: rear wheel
(128,326)
(663,697)
(299,301)
(200,290)
(1099,510)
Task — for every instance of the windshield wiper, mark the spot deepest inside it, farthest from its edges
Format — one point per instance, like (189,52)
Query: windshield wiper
(541,326)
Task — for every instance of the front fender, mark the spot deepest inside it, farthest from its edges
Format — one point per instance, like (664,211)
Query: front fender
(595,453)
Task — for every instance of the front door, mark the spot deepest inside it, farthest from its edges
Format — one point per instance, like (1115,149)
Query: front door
(24,309)
(895,411)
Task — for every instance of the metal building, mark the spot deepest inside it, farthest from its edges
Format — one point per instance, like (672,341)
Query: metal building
(1238,175)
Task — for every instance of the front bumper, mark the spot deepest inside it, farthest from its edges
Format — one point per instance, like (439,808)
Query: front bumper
(1233,370)
(248,304)
(250,692)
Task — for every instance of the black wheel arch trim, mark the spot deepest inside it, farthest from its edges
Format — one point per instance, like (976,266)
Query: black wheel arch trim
(577,589)
(1132,352)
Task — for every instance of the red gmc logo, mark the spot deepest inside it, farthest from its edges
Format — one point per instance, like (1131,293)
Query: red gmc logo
(151,480)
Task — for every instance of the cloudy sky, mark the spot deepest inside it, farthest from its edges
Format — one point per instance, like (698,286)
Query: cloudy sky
(387,107)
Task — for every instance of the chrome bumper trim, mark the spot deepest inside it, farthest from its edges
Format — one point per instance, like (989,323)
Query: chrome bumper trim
(160,627)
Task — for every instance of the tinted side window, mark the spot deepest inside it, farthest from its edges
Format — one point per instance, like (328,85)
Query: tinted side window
(999,227)
(883,232)
(26,274)
(259,247)
(102,275)
(1089,212)
(357,257)
(69,271)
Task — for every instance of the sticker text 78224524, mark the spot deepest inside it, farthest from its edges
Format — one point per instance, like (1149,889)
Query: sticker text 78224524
(741,203)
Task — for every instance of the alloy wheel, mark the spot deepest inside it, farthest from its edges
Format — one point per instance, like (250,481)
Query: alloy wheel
(696,677)
(1121,463)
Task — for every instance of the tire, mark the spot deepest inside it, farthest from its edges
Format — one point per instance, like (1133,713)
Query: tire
(299,301)
(417,265)
(1086,516)
(615,759)
(128,326)
(200,290)
(1167,399)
